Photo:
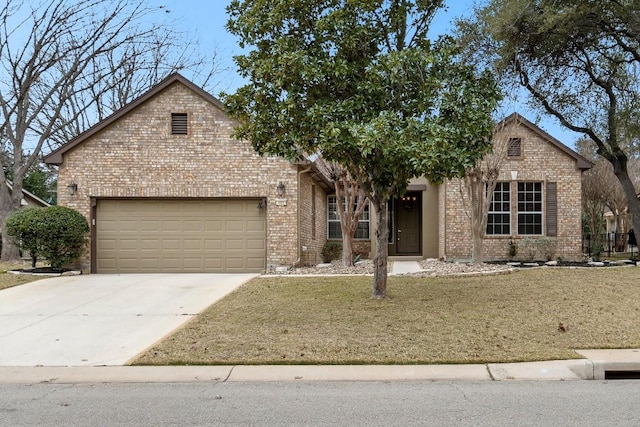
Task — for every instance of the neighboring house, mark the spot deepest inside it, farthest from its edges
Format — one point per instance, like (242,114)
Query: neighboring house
(166,188)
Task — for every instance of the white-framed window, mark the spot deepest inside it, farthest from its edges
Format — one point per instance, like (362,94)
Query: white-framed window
(499,219)
(530,208)
(333,220)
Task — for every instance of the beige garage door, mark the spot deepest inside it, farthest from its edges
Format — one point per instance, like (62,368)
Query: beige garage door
(151,236)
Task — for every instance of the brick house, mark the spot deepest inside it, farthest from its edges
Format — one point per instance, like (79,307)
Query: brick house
(538,194)
(166,188)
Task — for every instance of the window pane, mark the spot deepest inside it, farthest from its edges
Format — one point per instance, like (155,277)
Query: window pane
(530,208)
(334,230)
(362,232)
(333,220)
(499,215)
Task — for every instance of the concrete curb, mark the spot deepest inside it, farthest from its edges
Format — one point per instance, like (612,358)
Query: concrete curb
(360,373)
(612,360)
(579,369)
(554,370)
(593,367)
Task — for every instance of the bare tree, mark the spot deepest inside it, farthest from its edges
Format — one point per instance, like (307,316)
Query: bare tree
(601,189)
(66,65)
(351,201)
(596,184)
(477,188)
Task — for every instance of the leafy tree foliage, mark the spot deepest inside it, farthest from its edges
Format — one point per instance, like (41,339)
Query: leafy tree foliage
(579,60)
(41,181)
(360,83)
(56,233)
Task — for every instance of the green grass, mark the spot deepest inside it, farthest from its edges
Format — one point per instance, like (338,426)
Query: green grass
(334,320)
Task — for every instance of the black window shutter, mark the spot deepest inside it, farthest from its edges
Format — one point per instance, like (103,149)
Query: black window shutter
(552,209)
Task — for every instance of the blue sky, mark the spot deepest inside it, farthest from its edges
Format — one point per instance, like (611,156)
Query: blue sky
(206,19)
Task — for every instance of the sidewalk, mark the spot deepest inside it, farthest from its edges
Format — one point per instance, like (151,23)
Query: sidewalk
(594,367)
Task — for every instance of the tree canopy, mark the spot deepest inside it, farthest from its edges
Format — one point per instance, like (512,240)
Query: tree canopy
(579,60)
(360,83)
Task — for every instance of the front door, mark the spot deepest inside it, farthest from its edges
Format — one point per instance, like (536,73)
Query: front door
(408,219)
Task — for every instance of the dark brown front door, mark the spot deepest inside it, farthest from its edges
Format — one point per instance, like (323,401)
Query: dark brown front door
(408,218)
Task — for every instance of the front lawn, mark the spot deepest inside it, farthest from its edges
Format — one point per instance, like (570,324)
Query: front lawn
(8,280)
(537,314)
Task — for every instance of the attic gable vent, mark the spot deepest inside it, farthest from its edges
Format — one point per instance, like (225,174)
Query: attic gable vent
(514,148)
(178,123)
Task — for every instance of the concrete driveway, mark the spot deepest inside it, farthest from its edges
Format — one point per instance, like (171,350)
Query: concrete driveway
(103,319)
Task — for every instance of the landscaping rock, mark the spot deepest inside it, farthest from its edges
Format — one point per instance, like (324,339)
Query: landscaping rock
(431,267)
(335,267)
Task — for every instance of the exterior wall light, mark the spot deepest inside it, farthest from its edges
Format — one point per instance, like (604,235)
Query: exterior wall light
(72,188)
(280,189)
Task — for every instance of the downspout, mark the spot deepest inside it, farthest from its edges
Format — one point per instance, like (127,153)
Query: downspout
(298,210)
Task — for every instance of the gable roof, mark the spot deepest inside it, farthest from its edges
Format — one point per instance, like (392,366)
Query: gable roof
(55,157)
(581,162)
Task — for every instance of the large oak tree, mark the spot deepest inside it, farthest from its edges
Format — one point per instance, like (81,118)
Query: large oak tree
(578,60)
(360,83)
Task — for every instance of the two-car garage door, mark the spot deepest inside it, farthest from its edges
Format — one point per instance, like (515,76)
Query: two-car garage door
(166,236)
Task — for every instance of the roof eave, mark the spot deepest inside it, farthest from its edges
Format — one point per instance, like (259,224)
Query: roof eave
(582,163)
(56,156)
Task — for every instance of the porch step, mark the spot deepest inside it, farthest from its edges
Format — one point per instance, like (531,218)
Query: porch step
(404,267)
(405,258)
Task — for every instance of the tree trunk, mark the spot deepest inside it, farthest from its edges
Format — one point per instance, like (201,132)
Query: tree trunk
(9,203)
(382,250)
(630,193)
(476,255)
(476,185)
(347,249)
(349,210)
(10,251)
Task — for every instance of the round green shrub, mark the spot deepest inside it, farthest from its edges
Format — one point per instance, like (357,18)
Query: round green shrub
(331,250)
(56,233)
(64,231)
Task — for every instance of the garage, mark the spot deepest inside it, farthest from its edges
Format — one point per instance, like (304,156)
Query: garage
(169,236)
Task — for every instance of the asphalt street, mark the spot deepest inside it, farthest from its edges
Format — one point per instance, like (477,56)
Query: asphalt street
(440,403)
